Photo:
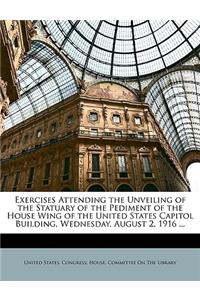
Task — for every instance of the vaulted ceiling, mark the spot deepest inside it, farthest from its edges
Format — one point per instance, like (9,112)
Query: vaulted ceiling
(121,50)
(129,49)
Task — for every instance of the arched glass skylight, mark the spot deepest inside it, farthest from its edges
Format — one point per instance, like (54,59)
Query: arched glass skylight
(175,102)
(45,79)
(130,49)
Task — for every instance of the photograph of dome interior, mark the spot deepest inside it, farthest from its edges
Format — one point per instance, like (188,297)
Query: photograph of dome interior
(99,105)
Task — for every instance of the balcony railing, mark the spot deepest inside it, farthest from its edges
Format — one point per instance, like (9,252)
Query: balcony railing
(148,175)
(95,174)
(143,136)
(122,175)
(124,136)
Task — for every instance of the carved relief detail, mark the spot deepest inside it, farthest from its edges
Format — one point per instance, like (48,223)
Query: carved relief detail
(95,147)
(120,149)
(80,110)
(107,90)
(4,104)
(31,29)
(81,171)
(83,85)
(126,114)
(105,112)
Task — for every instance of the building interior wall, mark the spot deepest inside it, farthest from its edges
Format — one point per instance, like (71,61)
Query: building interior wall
(83,126)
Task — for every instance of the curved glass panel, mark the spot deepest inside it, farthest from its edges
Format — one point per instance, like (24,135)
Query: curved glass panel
(128,49)
(175,102)
(44,79)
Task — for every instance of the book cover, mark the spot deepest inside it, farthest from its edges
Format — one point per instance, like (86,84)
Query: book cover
(99,124)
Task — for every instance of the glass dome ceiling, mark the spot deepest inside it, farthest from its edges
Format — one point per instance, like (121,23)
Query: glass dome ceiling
(44,79)
(125,49)
(175,102)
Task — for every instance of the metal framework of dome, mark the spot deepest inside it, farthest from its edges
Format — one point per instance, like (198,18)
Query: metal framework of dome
(45,79)
(121,50)
(175,102)
(125,49)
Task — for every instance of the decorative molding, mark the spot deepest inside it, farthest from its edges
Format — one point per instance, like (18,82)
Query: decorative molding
(126,114)
(121,118)
(93,111)
(95,147)
(108,90)
(80,110)
(105,112)
(120,149)
(107,80)
(144,149)
(82,85)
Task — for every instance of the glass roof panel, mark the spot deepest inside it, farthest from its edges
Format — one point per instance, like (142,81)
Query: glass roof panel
(175,96)
(45,79)
(103,41)
(124,33)
(85,29)
(158,44)
(96,53)
(117,70)
(71,52)
(190,28)
(160,34)
(145,43)
(194,39)
(123,59)
(142,30)
(107,29)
